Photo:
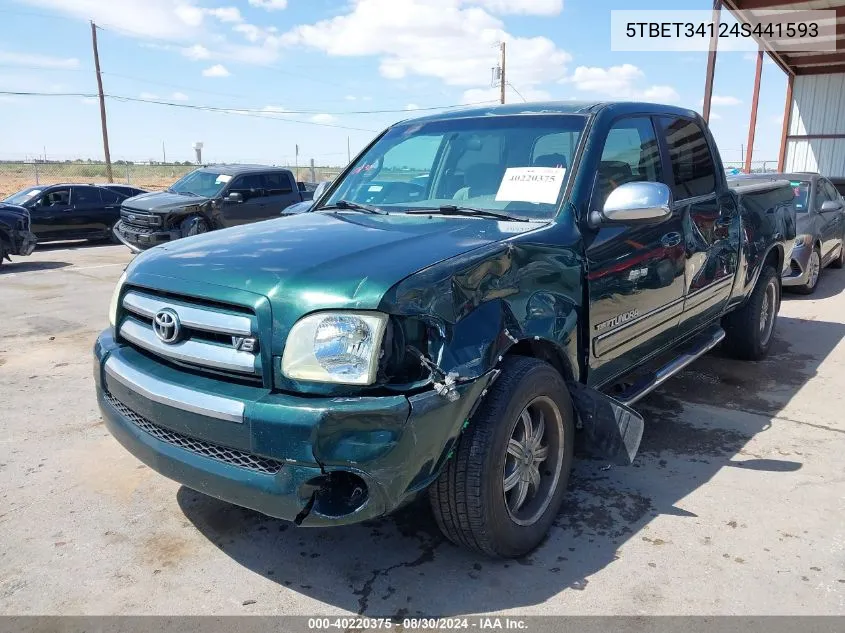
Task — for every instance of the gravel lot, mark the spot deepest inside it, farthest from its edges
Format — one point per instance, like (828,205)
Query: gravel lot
(736,504)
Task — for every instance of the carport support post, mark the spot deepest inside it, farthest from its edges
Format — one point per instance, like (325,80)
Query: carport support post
(787,115)
(755,98)
(711,61)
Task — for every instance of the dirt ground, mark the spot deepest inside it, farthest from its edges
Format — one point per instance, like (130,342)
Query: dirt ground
(735,505)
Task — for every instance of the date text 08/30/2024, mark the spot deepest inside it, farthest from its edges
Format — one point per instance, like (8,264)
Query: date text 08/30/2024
(483,623)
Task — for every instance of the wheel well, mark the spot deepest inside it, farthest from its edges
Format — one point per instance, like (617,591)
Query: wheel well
(775,258)
(543,350)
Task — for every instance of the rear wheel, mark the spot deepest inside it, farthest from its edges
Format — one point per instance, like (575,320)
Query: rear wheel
(749,331)
(194,225)
(814,269)
(503,488)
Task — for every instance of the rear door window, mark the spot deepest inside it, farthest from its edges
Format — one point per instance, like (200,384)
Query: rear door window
(85,196)
(277,183)
(692,162)
(111,197)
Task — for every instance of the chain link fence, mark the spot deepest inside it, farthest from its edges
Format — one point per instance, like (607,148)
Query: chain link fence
(15,176)
(757,166)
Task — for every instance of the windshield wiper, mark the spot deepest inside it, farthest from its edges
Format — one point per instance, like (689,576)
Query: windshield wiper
(353,206)
(451,209)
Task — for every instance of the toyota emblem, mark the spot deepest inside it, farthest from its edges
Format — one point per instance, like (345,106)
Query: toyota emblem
(166,325)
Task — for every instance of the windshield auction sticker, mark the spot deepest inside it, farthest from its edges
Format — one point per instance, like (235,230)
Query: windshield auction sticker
(531,184)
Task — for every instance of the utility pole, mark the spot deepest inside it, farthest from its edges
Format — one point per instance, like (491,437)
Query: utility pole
(348,152)
(102,102)
(163,154)
(503,83)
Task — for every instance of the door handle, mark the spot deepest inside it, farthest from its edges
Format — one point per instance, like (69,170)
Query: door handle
(671,239)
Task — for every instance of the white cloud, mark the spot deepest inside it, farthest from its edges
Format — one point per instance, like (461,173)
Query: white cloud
(41,61)
(619,82)
(269,5)
(218,70)
(526,7)
(226,14)
(89,101)
(446,39)
(148,95)
(196,52)
(715,116)
(350,97)
(412,106)
(324,118)
(179,96)
(177,20)
(249,31)
(719,100)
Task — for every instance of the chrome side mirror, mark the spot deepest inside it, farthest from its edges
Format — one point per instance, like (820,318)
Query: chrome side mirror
(830,205)
(637,202)
(235,197)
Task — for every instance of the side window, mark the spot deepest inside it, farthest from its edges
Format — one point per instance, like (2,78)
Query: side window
(86,196)
(689,154)
(248,185)
(110,197)
(630,154)
(832,193)
(57,197)
(277,183)
(820,195)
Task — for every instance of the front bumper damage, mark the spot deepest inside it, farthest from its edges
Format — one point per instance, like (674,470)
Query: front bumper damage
(139,240)
(21,243)
(312,460)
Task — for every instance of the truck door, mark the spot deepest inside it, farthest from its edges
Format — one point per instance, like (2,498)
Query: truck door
(831,221)
(635,273)
(253,207)
(710,219)
(48,214)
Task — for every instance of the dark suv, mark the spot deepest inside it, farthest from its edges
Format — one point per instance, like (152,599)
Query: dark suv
(70,211)
(208,198)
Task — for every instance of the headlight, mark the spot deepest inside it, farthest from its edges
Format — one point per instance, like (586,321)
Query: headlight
(115,298)
(803,240)
(339,347)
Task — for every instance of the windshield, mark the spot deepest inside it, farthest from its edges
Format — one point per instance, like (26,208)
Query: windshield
(801,190)
(516,165)
(24,196)
(201,182)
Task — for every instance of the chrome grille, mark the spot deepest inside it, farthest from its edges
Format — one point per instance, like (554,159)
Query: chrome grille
(210,337)
(138,218)
(200,447)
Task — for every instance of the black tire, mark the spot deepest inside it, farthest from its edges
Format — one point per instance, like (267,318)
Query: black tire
(469,498)
(194,225)
(813,280)
(745,336)
(839,262)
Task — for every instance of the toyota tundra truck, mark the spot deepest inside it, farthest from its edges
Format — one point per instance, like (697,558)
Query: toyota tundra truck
(451,336)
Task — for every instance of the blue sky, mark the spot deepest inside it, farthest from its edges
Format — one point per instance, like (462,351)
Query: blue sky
(302,68)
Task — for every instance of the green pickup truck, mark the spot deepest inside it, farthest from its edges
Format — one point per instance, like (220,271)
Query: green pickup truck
(476,288)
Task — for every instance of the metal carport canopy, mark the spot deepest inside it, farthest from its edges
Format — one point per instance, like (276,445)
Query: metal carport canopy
(813,135)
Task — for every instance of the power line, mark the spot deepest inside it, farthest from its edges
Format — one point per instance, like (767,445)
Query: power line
(517,92)
(264,112)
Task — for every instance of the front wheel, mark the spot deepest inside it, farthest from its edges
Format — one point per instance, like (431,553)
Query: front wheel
(502,489)
(194,225)
(839,262)
(814,269)
(749,331)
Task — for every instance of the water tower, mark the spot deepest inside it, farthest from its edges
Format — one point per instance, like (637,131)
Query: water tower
(198,150)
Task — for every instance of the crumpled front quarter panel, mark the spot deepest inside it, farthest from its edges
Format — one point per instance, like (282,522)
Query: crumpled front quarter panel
(527,289)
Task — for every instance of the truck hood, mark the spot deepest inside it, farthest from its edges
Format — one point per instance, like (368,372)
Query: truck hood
(315,261)
(162,201)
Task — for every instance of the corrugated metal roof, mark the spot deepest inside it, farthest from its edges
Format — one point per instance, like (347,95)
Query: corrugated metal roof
(798,62)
